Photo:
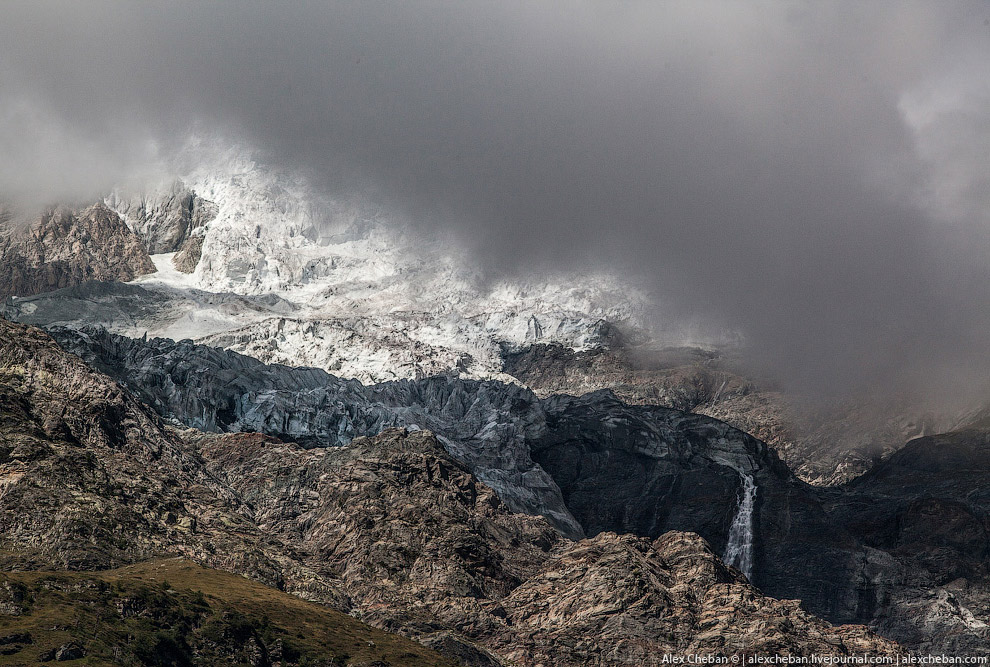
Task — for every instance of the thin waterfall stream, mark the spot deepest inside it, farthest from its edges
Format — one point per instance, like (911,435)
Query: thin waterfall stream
(739,550)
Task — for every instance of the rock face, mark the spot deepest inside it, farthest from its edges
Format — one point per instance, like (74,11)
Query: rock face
(590,465)
(647,470)
(63,247)
(927,510)
(667,596)
(90,479)
(168,220)
(189,254)
(823,443)
(418,544)
(389,528)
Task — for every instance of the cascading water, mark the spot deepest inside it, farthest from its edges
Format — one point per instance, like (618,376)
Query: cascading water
(739,550)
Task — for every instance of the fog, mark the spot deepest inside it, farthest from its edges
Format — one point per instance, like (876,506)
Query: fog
(811,175)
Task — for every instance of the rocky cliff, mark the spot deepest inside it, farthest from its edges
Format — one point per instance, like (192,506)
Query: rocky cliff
(169,219)
(388,528)
(590,465)
(926,512)
(64,247)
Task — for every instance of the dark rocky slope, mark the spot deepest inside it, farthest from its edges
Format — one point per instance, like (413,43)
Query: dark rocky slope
(927,511)
(593,462)
(646,470)
(388,528)
(823,442)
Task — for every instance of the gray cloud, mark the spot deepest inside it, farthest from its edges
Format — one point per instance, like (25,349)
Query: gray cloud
(813,175)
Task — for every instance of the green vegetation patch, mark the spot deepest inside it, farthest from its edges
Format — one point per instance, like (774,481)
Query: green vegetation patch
(172,612)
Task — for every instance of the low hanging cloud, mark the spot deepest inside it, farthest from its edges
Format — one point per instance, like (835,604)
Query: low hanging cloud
(812,175)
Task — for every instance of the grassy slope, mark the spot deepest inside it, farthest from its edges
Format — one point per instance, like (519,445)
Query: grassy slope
(174,612)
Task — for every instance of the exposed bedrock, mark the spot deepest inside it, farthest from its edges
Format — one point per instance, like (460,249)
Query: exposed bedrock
(595,464)
(63,247)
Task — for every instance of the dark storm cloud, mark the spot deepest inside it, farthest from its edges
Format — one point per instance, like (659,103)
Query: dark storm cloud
(813,175)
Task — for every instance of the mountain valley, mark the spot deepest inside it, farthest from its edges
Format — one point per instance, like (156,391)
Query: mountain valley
(387,528)
(236,374)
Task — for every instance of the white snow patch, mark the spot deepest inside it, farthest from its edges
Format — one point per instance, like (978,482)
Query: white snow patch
(363,298)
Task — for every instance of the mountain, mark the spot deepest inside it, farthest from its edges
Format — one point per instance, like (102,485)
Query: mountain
(358,292)
(252,258)
(389,528)
(522,428)
(590,465)
(63,247)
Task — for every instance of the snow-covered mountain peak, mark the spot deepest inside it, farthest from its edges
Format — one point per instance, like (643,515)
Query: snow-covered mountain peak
(368,298)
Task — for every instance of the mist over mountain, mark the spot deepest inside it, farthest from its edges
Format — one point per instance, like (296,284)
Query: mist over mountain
(809,176)
(552,333)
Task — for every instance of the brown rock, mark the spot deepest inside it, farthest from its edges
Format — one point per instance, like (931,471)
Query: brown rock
(389,528)
(63,247)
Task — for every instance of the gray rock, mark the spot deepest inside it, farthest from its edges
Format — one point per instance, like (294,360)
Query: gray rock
(165,220)
(594,465)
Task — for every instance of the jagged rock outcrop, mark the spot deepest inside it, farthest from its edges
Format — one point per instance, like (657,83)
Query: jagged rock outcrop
(683,378)
(189,254)
(64,247)
(824,442)
(589,464)
(390,528)
(417,542)
(91,479)
(670,596)
(927,510)
(169,219)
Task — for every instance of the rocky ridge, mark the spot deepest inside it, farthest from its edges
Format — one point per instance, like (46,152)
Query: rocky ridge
(590,464)
(389,528)
(824,443)
(64,247)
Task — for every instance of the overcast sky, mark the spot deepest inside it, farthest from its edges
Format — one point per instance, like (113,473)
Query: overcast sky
(815,175)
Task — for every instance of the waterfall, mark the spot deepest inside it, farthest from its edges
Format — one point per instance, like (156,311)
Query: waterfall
(739,550)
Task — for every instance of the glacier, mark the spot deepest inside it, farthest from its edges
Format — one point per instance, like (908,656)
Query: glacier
(288,274)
